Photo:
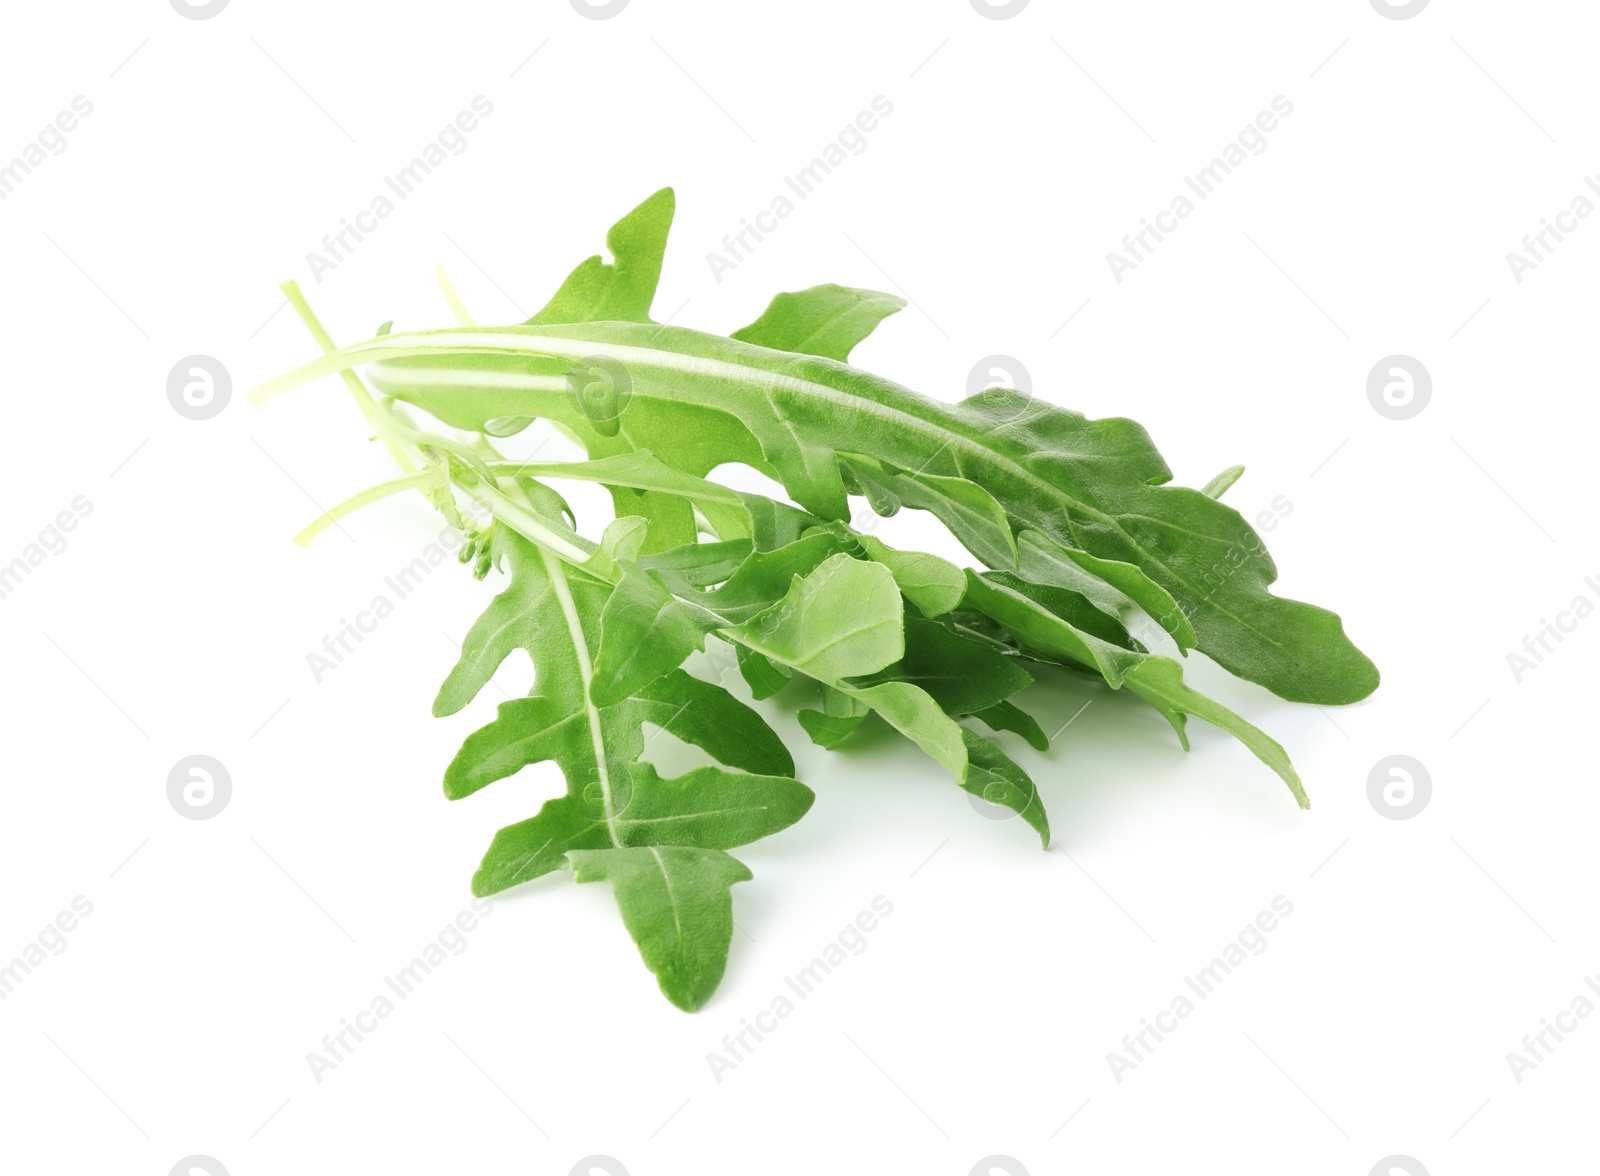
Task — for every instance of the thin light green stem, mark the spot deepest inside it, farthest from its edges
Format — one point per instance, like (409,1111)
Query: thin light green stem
(364,401)
(350,505)
(448,288)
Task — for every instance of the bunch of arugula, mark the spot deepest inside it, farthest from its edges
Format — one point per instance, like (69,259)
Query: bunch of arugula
(1074,519)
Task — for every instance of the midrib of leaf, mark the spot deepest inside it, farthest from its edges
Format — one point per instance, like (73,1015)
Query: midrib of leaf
(557,571)
(672,894)
(566,348)
(698,813)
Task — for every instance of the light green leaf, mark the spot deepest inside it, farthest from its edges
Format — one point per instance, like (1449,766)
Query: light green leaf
(1094,486)
(707,807)
(1218,486)
(974,516)
(824,320)
(996,778)
(1007,716)
(842,620)
(699,565)
(934,585)
(761,674)
(841,714)
(645,632)
(676,902)
(1158,680)
(623,290)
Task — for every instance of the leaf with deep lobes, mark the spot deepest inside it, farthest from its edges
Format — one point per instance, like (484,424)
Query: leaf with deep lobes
(622,290)
(706,716)
(530,849)
(677,903)
(708,807)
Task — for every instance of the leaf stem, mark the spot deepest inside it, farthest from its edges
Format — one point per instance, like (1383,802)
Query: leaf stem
(448,288)
(364,401)
(350,505)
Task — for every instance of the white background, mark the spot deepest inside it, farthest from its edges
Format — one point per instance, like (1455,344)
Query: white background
(978,1020)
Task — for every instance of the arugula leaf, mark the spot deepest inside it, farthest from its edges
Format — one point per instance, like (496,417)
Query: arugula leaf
(645,632)
(840,621)
(623,290)
(996,778)
(1157,680)
(617,806)
(706,807)
(1094,486)
(825,320)
(1218,486)
(934,585)
(1076,517)
(1008,716)
(677,905)
(974,516)
(760,674)
(841,714)
(962,675)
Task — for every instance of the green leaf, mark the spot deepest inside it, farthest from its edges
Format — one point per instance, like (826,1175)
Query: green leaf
(645,632)
(532,730)
(841,714)
(842,620)
(706,716)
(641,470)
(1089,576)
(776,524)
(620,543)
(669,520)
(962,675)
(760,673)
(676,902)
(623,290)
(1008,716)
(700,565)
(1077,518)
(708,807)
(1218,486)
(1158,680)
(765,577)
(530,849)
(1073,607)
(974,515)
(1093,486)
(996,778)
(934,585)
(912,711)
(825,320)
